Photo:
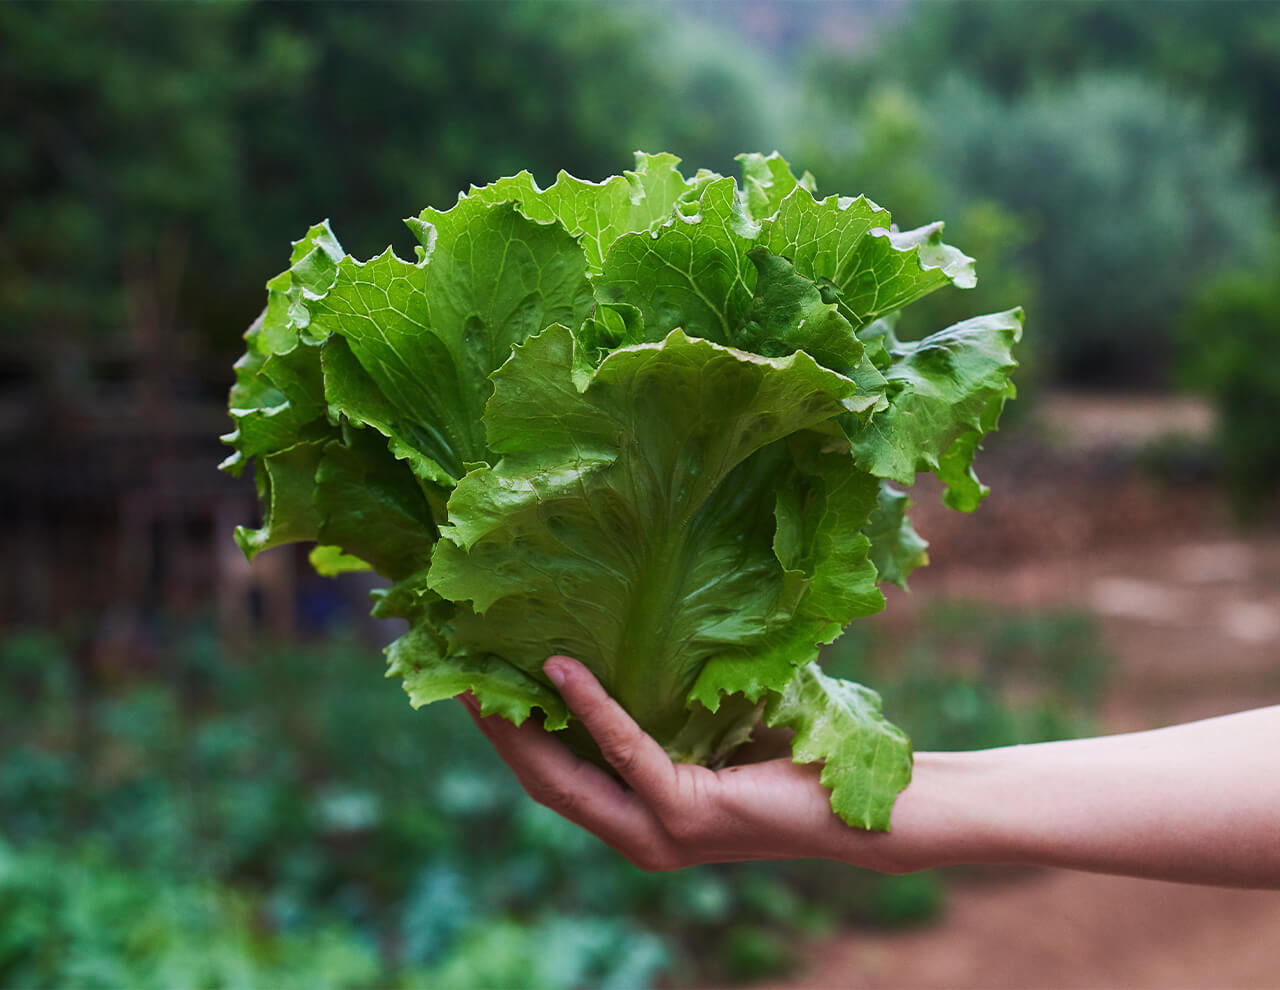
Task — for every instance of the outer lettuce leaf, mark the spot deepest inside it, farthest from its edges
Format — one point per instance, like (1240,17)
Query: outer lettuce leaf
(286,488)
(349,494)
(788,313)
(598,212)
(350,392)
(692,273)
(896,548)
(638,532)
(330,561)
(849,245)
(278,397)
(866,760)
(767,180)
(809,275)
(955,466)
(818,540)
(428,334)
(945,392)
(422,658)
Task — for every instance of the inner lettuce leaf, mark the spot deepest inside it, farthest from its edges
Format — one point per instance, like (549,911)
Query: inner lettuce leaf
(649,422)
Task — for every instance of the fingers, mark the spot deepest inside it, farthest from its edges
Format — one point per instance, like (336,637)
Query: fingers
(630,750)
(579,791)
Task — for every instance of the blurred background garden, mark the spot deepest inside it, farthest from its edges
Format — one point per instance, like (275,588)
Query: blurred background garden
(204,778)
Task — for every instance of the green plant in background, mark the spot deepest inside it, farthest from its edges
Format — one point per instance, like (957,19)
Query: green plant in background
(70,916)
(1229,349)
(1138,158)
(194,824)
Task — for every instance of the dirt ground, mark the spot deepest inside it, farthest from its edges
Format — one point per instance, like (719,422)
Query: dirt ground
(1190,607)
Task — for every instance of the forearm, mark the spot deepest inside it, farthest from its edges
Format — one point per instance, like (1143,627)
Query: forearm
(1198,803)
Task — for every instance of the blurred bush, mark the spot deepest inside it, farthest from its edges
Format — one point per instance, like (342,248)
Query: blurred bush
(62,909)
(285,818)
(1229,349)
(1133,198)
(1131,151)
(1223,55)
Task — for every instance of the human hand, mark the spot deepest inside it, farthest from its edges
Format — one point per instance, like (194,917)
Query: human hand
(1152,804)
(663,815)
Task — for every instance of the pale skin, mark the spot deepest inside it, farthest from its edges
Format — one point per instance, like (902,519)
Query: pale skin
(1196,803)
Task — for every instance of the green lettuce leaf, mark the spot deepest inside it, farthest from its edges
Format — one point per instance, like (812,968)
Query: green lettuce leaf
(865,759)
(819,517)
(428,334)
(767,180)
(638,532)
(330,561)
(692,273)
(422,658)
(350,494)
(598,212)
(278,396)
(849,245)
(944,393)
(896,548)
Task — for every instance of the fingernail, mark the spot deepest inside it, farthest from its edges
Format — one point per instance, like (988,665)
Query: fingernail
(553,669)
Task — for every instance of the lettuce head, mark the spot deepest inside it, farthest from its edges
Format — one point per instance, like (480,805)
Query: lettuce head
(654,423)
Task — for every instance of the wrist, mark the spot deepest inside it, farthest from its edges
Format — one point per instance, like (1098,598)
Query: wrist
(944,817)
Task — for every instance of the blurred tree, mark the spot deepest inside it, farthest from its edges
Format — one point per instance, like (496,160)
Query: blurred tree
(1134,197)
(1230,349)
(1100,206)
(122,163)
(157,158)
(1225,53)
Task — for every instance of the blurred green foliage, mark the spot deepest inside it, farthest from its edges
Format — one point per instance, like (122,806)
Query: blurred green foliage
(1230,350)
(1132,197)
(1223,54)
(62,909)
(285,818)
(294,805)
(970,677)
(1100,204)
(157,157)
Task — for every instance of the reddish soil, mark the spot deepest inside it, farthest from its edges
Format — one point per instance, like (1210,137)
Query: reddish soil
(1191,609)
(1060,930)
